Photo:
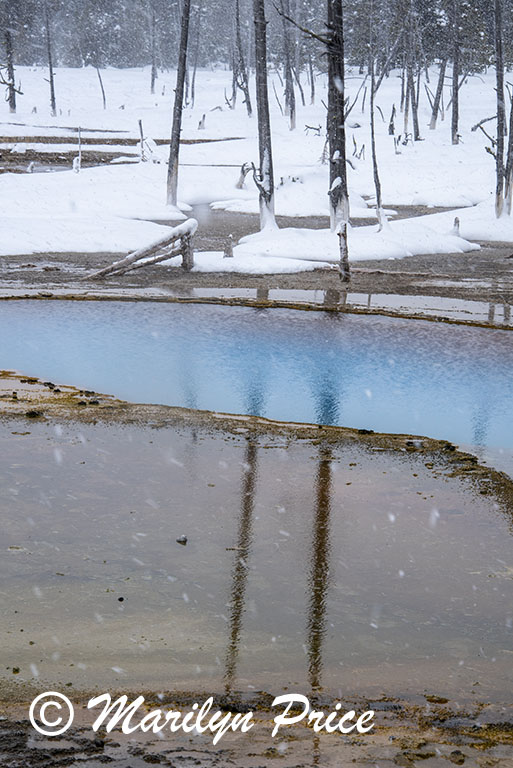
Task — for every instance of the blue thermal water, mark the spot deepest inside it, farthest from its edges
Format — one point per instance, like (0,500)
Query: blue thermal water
(379,373)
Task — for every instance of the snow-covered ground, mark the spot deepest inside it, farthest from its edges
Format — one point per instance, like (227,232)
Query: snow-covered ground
(110,208)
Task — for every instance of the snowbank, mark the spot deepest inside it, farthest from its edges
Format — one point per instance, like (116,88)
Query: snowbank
(397,240)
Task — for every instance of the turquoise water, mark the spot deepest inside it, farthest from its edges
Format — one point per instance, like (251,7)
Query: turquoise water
(379,373)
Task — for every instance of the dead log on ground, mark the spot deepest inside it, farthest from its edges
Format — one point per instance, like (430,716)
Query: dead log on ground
(177,241)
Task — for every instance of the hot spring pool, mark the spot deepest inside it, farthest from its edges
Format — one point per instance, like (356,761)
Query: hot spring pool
(385,374)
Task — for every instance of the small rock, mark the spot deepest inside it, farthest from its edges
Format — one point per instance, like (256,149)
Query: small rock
(182,540)
(457,757)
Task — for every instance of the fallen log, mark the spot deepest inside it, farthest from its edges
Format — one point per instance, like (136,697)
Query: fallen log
(168,253)
(183,232)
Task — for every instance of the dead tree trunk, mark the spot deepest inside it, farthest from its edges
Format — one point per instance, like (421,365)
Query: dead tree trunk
(264,177)
(11,86)
(414,111)
(312,78)
(48,35)
(501,113)
(196,54)
(508,172)
(233,101)
(153,46)
(438,95)
(104,98)
(375,170)
(455,70)
(242,77)
(386,66)
(410,81)
(290,96)
(174,150)
(338,193)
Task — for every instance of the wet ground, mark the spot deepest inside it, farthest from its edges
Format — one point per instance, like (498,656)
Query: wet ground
(307,566)
(428,734)
(484,276)
(317,561)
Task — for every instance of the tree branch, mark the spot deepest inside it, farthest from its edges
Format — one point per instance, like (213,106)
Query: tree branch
(304,30)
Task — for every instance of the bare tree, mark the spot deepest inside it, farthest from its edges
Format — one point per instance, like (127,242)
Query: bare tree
(375,170)
(174,150)
(104,97)
(311,76)
(338,193)
(333,40)
(240,70)
(9,54)
(455,70)
(264,176)
(290,97)
(438,94)
(199,11)
(501,111)
(48,37)
(153,46)
(508,171)
(411,99)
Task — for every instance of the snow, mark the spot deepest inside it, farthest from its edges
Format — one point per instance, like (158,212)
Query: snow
(477,223)
(115,207)
(74,233)
(398,239)
(249,263)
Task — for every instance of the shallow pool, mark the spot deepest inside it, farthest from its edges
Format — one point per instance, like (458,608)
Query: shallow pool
(378,373)
(307,567)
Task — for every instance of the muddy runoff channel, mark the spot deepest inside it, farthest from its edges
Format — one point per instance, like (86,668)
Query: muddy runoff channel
(340,563)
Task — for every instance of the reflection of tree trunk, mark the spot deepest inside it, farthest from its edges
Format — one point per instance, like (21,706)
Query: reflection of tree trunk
(262,294)
(331,297)
(319,570)
(240,567)
(255,396)
(481,423)
(327,400)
